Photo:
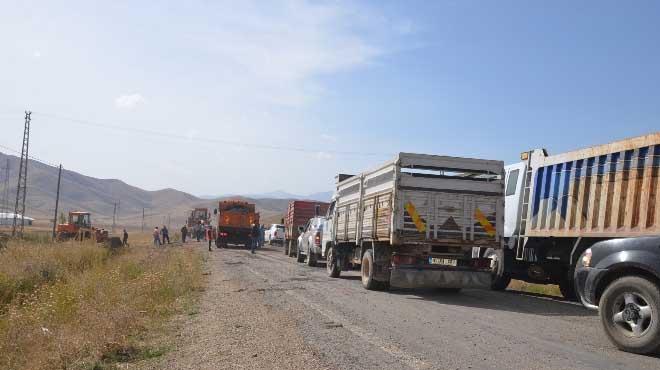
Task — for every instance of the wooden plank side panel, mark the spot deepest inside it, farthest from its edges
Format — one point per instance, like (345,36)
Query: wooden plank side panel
(644,191)
(633,175)
(609,195)
(653,217)
(574,202)
(611,190)
(368,209)
(383,217)
(584,196)
(564,196)
(597,191)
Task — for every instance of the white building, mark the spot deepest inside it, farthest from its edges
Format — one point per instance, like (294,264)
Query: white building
(7,219)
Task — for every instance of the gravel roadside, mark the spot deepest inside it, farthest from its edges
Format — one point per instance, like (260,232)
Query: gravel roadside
(235,327)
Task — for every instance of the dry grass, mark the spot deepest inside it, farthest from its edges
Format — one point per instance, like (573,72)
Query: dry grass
(81,306)
(551,290)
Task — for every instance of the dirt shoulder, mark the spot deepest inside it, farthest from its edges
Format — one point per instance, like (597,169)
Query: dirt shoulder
(235,328)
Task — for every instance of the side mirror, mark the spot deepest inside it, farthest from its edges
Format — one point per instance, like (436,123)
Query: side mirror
(301,229)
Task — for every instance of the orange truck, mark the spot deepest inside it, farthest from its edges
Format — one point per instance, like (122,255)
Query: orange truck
(235,220)
(80,227)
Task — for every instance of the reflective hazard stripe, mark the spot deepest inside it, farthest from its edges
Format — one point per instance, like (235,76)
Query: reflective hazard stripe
(488,227)
(419,223)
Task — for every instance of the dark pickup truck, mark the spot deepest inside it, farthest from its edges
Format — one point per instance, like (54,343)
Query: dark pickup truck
(621,279)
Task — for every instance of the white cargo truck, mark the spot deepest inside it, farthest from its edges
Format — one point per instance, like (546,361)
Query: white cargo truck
(416,221)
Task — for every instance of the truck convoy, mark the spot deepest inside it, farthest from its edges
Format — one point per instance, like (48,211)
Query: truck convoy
(234,221)
(297,215)
(559,206)
(415,221)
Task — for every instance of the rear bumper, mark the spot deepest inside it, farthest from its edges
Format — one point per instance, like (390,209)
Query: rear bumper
(439,278)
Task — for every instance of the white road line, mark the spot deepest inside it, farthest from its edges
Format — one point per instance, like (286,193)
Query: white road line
(368,337)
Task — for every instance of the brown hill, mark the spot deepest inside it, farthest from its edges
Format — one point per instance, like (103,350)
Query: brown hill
(98,196)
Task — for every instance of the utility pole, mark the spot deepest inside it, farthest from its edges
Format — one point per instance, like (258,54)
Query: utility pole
(21,189)
(142,219)
(114,217)
(57,201)
(5,195)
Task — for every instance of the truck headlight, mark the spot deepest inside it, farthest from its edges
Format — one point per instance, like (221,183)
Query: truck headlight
(586,258)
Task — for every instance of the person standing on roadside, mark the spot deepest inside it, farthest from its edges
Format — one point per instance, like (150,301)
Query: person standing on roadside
(254,236)
(124,240)
(262,238)
(209,236)
(156,235)
(184,233)
(166,234)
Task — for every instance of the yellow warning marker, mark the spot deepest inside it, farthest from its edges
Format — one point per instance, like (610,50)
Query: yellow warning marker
(488,227)
(419,223)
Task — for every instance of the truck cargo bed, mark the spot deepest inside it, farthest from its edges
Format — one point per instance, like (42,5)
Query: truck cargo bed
(604,191)
(423,199)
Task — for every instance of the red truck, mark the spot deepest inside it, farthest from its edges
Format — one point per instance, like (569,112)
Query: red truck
(297,215)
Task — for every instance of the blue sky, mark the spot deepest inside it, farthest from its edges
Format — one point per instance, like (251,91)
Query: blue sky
(484,79)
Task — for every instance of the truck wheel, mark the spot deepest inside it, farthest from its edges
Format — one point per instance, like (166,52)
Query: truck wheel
(567,289)
(367,270)
(332,265)
(449,290)
(630,314)
(501,279)
(311,259)
(299,256)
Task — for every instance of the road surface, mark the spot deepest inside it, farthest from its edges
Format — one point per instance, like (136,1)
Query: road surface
(267,311)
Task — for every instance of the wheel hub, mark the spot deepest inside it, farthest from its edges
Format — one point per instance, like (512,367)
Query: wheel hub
(631,313)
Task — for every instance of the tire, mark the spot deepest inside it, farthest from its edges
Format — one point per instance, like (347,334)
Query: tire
(367,272)
(567,289)
(299,256)
(310,259)
(449,290)
(332,265)
(637,300)
(501,279)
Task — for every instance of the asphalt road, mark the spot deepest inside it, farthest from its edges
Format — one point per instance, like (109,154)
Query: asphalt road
(348,327)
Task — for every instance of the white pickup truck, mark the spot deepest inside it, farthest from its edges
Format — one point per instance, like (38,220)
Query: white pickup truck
(418,221)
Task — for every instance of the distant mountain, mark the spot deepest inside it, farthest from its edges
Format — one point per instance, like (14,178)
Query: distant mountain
(98,196)
(280,194)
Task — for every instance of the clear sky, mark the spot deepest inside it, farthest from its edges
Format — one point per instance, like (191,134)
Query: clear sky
(163,94)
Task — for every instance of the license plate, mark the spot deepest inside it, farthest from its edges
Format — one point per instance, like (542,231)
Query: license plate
(443,261)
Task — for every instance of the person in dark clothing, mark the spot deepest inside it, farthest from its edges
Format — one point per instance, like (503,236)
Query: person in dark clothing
(254,235)
(124,240)
(166,234)
(184,233)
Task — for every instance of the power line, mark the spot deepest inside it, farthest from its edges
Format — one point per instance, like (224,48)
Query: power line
(30,156)
(207,139)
